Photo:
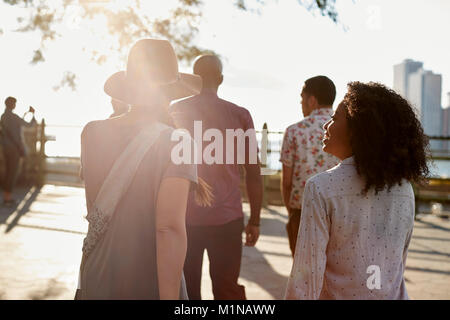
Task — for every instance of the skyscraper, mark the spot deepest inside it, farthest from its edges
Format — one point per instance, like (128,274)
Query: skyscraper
(422,89)
(446,124)
(424,92)
(401,75)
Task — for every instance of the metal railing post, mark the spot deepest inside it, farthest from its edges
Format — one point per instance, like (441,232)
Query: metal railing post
(42,157)
(265,149)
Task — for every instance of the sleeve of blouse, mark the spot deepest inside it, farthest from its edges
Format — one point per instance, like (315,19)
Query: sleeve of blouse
(409,234)
(306,279)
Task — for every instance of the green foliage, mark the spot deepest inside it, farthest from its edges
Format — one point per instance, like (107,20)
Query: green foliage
(130,23)
(326,8)
(69,80)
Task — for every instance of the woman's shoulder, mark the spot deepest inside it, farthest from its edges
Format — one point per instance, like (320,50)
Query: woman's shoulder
(403,189)
(339,180)
(171,136)
(328,177)
(90,126)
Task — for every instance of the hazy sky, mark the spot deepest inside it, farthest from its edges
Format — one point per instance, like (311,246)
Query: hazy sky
(266,57)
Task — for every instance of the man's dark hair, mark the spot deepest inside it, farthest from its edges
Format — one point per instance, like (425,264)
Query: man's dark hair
(9,102)
(209,67)
(386,136)
(322,88)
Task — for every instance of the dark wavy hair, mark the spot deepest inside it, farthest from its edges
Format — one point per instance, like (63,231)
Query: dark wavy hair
(387,139)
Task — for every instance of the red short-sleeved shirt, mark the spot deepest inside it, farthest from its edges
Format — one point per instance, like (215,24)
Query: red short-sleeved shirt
(224,179)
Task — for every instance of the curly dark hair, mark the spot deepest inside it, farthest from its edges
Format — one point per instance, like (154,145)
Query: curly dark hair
(386,136)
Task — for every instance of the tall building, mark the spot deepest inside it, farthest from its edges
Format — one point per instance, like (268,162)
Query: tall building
(446,124)
(422,88)
(401,75)
(424,92)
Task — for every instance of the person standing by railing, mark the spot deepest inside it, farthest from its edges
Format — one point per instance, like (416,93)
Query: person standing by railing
(301,153)
(13,146)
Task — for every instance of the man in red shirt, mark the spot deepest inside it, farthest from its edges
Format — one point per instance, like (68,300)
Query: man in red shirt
(218,229)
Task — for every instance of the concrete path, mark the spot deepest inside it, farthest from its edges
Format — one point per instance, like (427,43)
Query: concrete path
(41,239)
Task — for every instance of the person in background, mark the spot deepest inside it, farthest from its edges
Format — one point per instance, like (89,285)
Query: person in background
(358,217)
(218,229)
(118,107)
(13,146)
(301,153)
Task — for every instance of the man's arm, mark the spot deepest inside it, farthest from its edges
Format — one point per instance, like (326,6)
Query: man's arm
(286,184)
(25,123)
(253,181)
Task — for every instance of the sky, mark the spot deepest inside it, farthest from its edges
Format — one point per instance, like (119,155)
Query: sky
(266,56)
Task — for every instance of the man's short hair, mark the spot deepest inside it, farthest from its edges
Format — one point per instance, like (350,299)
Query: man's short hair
(9,102)
(322,88)
(208,67)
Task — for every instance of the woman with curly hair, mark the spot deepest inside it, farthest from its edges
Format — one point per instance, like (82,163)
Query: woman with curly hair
(358,217)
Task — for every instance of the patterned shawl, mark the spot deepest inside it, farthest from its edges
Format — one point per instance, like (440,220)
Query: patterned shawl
(116,184)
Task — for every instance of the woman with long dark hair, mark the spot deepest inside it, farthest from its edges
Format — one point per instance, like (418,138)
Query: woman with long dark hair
(136,195)
(358,217)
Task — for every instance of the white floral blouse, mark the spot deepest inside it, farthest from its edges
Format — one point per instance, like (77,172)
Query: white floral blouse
(349,245)
(302,150)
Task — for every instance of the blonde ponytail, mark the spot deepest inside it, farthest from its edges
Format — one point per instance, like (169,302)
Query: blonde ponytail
(203,194)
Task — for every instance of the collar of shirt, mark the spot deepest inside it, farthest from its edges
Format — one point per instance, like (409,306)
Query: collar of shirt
(321,112)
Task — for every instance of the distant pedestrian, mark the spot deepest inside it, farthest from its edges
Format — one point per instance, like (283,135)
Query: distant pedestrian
(218,229)
(358,217)
(301,153)
(136,242)
(13,146)
(119,108)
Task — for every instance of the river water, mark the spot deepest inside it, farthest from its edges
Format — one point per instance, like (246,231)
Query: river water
(66,143)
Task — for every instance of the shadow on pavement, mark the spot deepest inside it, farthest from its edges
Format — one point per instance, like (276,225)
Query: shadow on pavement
(260,271)
(435,226)
(275,212)
(256,267)
(52,289)
(428,270)
(26,199)
(434,252)
(431,238)
(19,195)
(273,228)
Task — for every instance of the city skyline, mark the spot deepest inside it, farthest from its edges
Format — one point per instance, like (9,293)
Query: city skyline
(423,89)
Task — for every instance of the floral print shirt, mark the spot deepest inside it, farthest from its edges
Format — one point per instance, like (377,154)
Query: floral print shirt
(302,150)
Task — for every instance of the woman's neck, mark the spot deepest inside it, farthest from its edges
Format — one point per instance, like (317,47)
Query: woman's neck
(141,115)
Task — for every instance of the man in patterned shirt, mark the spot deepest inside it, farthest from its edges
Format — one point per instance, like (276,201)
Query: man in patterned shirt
(301,154)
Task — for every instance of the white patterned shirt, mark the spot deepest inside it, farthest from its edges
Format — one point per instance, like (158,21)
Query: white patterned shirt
(351,246)
(302,150)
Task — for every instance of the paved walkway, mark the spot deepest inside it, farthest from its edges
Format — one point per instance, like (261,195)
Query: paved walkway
(41,239)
